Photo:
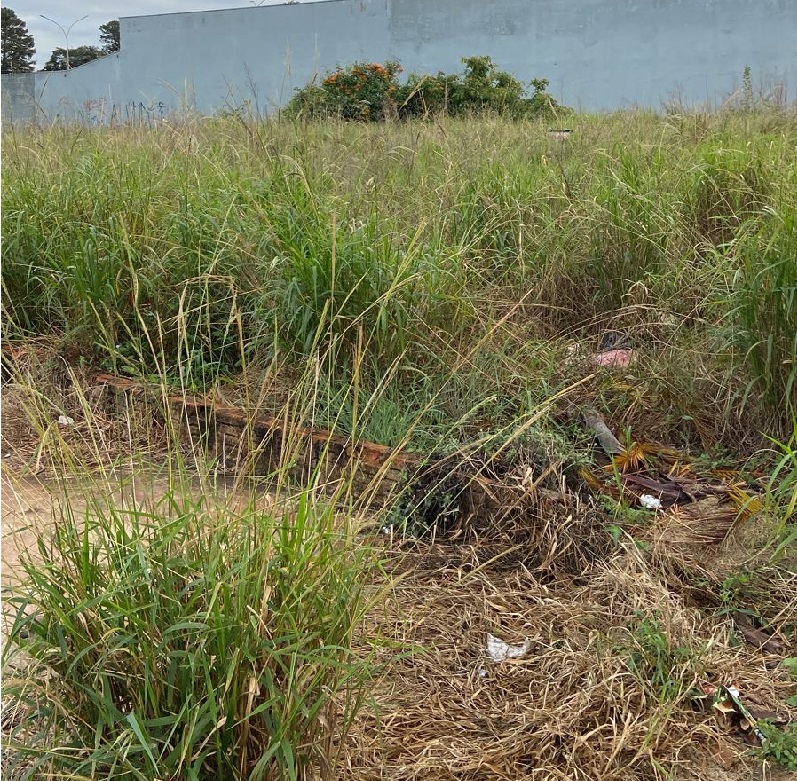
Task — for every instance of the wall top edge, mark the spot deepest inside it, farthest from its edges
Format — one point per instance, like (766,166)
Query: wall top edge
(237,9)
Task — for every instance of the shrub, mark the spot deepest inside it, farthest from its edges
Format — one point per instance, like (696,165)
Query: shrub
(481,89)
(371,92)
(425,95)
(362,91)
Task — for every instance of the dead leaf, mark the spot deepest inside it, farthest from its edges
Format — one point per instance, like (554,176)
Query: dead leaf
(725,755)
(757,637)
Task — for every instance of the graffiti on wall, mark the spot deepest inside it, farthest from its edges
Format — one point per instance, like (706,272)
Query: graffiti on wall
(134,112)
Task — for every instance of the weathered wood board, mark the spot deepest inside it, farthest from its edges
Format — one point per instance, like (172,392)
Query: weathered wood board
(257,444)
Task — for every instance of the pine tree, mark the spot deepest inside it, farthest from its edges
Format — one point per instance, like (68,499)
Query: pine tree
(17,44)
(109,37)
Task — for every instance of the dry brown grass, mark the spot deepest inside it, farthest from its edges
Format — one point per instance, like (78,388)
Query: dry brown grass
(39,387)
(573,708)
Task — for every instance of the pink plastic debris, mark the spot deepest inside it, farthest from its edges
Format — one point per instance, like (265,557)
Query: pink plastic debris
(616,358)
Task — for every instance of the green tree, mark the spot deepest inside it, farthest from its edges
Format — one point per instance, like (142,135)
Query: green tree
(17,44)
(77,56)
(110,41)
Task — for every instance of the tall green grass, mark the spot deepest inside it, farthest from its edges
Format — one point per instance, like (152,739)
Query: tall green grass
(189,640)
(781,496)
(766,312)
(415,284)
(202,247)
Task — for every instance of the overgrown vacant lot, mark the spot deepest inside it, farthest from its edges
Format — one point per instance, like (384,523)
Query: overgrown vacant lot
(483,296)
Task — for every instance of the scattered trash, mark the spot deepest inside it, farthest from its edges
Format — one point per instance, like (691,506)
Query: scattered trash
(728,703)
(482,672)
(559,134)
(500,651)
(650,502)
(63,420)
(705,505)
(618,359)
(669,491)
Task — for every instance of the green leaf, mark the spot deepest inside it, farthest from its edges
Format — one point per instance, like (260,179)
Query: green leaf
(142,739)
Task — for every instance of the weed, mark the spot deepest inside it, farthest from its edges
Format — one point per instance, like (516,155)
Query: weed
(733,590)
(191,642)
(662,665)
(780,745)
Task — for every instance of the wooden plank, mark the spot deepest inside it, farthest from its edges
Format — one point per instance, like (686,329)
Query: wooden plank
(263,443)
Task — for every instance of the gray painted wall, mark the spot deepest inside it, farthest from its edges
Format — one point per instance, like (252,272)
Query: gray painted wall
(18,91)
(597,54)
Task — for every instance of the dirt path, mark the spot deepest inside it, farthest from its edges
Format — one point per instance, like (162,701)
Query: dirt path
(26,505)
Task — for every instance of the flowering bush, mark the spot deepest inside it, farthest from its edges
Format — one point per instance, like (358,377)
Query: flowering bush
(362,91)
(372,92)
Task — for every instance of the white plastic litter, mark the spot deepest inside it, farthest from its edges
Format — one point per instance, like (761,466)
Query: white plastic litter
(500,651)
(650,502)
(63,420)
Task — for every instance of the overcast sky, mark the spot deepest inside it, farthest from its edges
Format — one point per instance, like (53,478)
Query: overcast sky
(48,37)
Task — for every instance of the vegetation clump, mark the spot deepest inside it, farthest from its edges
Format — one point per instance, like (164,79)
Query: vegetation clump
(372,92)
(191,641)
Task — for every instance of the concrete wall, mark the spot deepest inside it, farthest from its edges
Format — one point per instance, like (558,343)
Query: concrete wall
(597,54)
(18,91)
(607,54)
